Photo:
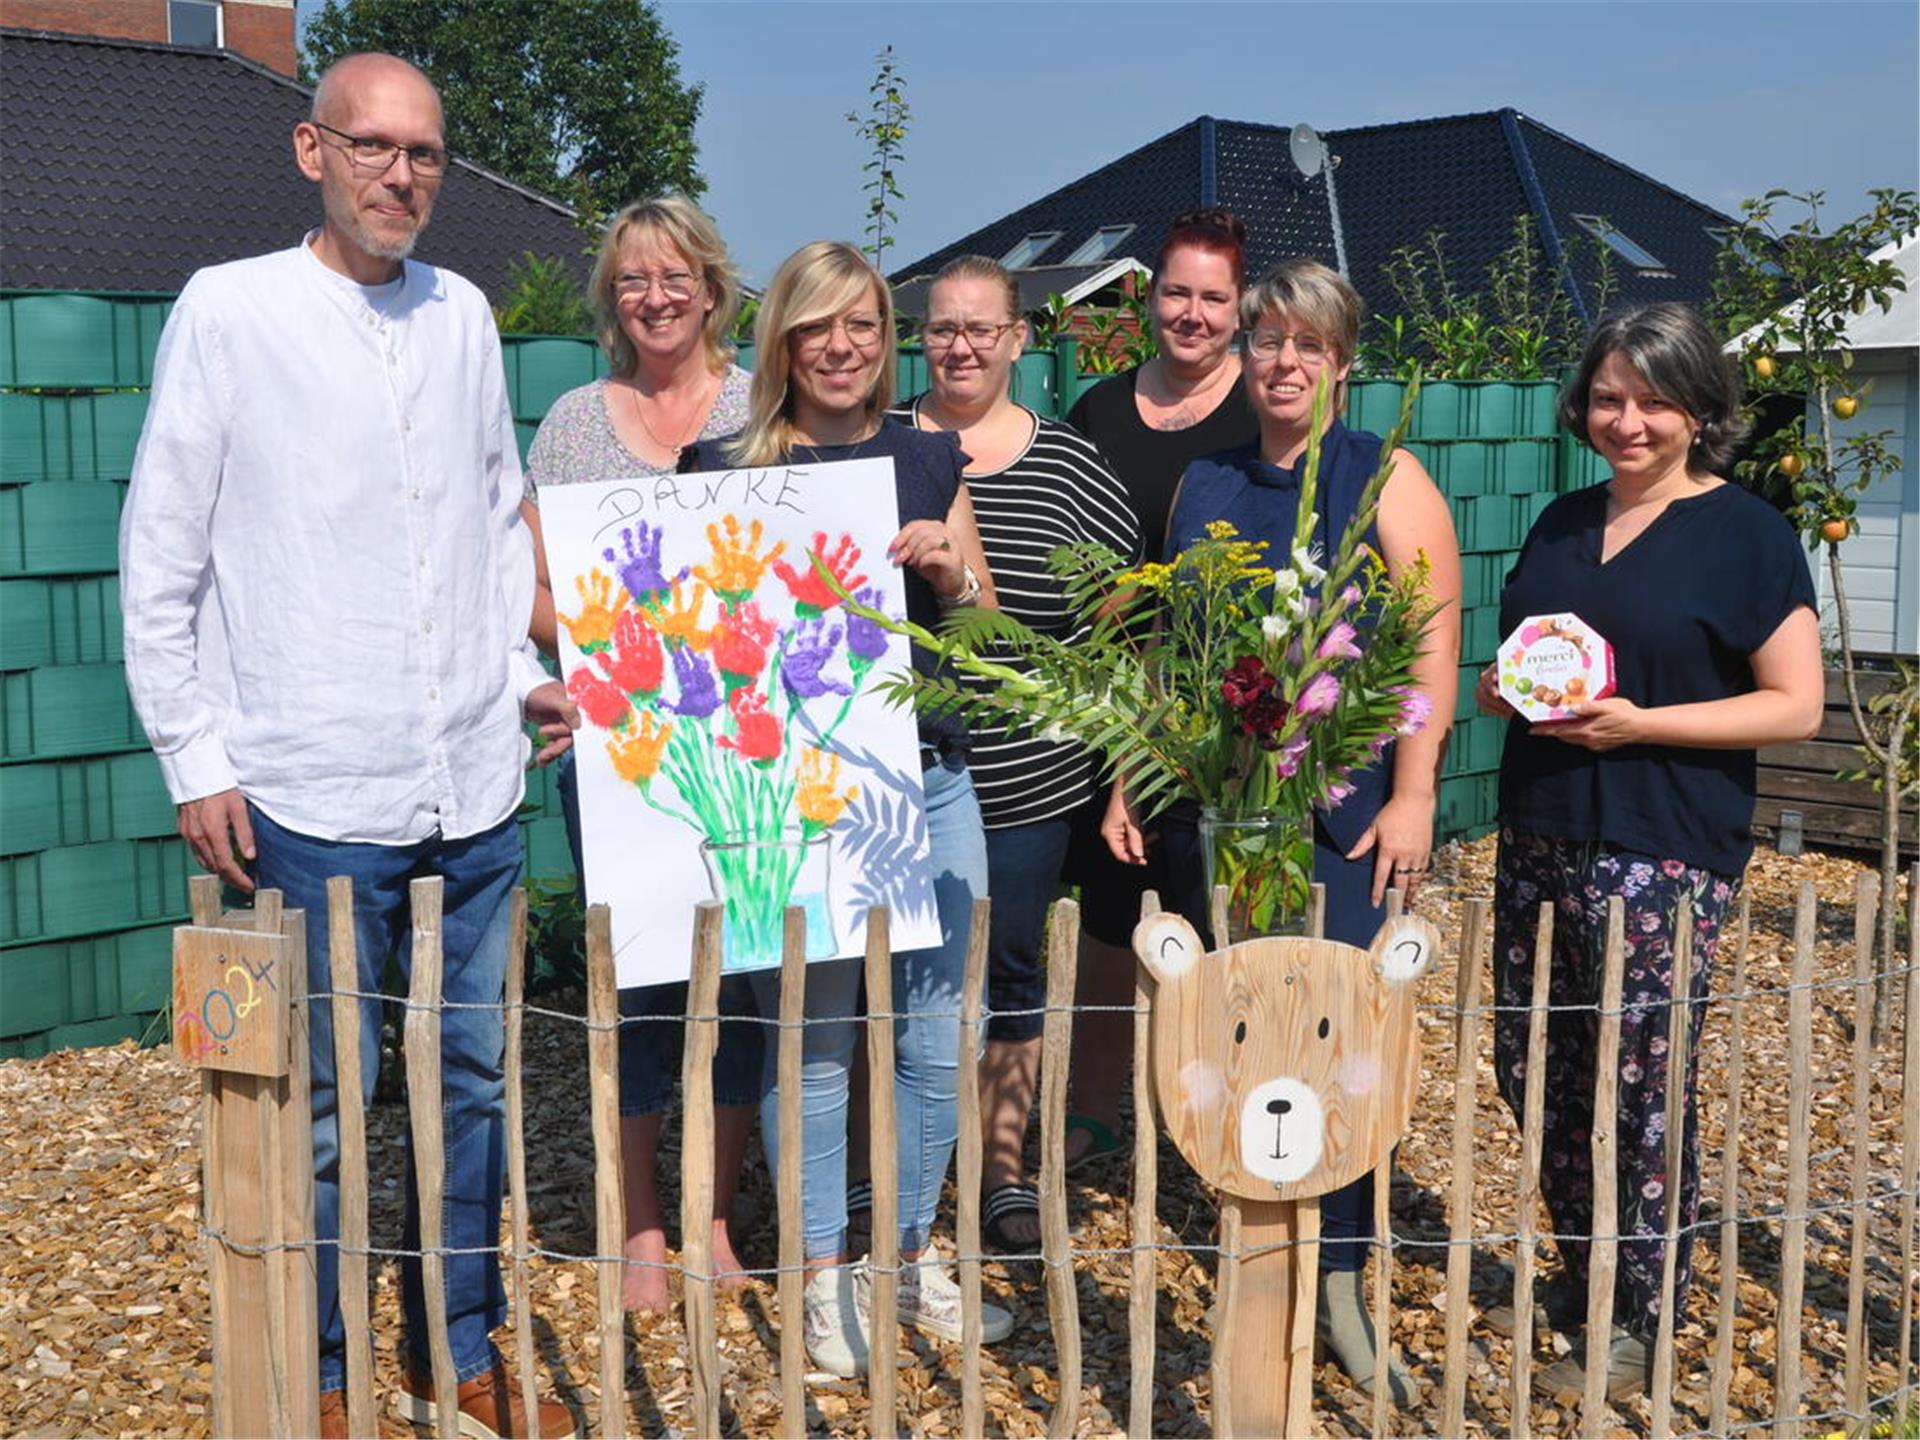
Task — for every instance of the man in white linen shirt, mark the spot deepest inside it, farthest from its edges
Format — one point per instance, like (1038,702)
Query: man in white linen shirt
(327,589)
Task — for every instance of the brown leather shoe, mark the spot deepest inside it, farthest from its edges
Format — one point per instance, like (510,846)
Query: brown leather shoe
(333,1415)
(490,1407)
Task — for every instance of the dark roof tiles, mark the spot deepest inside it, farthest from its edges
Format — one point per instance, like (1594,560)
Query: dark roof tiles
(130,165)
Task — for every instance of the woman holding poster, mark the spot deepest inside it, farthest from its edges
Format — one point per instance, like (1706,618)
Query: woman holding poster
(823,381)
(665,295)
(1702,592)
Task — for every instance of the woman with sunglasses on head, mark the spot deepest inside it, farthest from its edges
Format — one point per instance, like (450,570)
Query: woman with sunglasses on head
(823,380)
(1301,328)
(1036,485)
(665,294)
(1150,423)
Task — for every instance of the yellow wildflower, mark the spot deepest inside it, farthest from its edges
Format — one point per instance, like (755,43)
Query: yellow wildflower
(592,628)
(821,800)
(636,752)
(737,566)
(678,620)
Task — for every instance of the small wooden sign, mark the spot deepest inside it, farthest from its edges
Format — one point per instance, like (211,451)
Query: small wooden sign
(231,997)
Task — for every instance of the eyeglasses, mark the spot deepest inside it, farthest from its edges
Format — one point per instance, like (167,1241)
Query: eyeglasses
(375,156)
(862,332)
(674,285)
(1266,345)
(941,335)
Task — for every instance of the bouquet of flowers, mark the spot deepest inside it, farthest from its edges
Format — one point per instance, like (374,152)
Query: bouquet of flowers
(1255,684)
(735,710)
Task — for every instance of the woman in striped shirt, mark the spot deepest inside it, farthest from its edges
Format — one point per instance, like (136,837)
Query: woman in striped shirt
(1036,485)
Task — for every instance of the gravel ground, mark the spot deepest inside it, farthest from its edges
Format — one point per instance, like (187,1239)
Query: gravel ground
(103,1297)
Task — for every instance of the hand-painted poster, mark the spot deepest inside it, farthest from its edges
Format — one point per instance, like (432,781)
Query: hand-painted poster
(732,746)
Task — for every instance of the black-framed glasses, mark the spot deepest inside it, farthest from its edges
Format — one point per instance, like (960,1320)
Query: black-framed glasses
(674,285)
(1266,345)
(376,156)
(942,334)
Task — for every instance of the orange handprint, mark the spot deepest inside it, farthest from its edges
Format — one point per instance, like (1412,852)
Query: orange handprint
(678,619)
(592,628)
(737,565)
(636,752)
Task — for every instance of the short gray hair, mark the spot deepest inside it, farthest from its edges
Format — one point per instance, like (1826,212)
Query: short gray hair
(1677,355)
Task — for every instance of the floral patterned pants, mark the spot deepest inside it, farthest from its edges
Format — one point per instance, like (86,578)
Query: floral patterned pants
(1579,877)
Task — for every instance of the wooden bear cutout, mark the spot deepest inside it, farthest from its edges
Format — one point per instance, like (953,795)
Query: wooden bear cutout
(1285,1068)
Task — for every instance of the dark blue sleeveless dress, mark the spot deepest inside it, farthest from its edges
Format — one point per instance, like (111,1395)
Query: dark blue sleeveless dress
(1260,501)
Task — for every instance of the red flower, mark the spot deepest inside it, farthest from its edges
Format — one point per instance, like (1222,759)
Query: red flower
(810,593)
(1263,719)
(1245,683)
(635,663)
(757,734)
(740,640)
(602,704)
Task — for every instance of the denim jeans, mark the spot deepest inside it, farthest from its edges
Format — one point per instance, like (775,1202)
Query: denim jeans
(926,993)
(1024,863)
(479,873)
(652,1023)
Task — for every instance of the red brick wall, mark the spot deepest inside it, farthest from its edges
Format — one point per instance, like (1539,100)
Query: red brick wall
(121,19)
(262,33)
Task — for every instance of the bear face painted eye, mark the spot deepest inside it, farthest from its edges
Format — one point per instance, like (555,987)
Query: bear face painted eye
(1326,1028)
(1240,1033)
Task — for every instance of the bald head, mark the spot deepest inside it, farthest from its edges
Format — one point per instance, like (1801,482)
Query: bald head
(348,80)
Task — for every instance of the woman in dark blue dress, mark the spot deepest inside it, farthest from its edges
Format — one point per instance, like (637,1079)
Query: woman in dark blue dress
(1300,324)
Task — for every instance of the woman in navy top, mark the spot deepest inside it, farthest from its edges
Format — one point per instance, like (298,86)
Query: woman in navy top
(1703,592)
(821,388)
(1301,325)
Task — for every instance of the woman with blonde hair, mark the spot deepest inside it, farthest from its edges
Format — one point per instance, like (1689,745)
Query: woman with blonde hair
(823,379)
(665,294)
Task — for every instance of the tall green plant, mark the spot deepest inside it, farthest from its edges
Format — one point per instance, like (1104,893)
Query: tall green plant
(884,128)
(1787,287)
(543,298)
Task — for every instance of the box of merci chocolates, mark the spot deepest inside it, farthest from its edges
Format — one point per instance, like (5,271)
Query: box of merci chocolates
(1552,663)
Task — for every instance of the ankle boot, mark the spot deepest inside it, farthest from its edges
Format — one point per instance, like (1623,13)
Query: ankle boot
(1345,1325)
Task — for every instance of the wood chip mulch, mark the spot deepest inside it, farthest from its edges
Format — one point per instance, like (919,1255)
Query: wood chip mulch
(103,1296)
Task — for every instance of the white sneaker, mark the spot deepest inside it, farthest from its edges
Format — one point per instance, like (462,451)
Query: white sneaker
(930,1302)
(835,1322)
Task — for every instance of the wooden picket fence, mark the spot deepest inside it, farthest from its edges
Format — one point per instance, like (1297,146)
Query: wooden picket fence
(259,1209)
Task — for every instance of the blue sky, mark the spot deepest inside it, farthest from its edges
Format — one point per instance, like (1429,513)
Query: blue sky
(1721,100)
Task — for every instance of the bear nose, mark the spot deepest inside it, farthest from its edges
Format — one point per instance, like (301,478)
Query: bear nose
(1279,1107)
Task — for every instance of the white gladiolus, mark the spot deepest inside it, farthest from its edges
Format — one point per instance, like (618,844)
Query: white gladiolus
(1311,573)
(1274,628)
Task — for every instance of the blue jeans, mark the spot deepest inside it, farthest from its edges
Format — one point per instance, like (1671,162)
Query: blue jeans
(652,1017)
(926,993)
(480,873)
(1023,871)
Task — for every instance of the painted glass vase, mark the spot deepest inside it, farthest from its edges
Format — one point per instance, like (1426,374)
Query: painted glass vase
(1266,864)
(757,880)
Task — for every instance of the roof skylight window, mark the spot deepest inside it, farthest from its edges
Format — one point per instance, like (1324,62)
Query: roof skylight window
(1643,260)
(1099,245)
(1029,249)
(194,23)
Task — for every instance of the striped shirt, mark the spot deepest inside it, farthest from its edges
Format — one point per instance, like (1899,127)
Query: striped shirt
(1057,491)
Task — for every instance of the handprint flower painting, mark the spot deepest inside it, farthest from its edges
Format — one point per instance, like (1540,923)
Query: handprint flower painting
(733,743)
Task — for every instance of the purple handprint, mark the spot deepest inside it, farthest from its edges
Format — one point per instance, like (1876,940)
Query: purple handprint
(699,695)
(809,647)
(866,641)
(640,570)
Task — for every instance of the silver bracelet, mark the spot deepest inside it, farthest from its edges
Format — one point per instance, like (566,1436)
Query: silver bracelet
(969,590)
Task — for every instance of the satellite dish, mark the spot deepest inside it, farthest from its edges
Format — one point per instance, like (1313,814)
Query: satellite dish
(1308,150)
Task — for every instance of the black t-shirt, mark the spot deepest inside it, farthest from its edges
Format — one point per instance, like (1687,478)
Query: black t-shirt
(928,469)
(1684,607)
(1150,462)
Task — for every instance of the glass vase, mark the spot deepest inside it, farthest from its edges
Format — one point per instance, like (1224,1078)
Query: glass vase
(1266,864)
(757,880)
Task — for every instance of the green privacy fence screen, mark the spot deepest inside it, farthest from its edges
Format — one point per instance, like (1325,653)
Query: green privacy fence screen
(92,875)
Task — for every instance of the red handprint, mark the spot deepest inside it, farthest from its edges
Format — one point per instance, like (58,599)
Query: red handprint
(635,662)
(811,594)
(740,640)
(599,701)
(757,734)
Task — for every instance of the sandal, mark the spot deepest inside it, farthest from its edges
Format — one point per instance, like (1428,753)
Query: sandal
(1105,1141)
(1000,1205)
(860,1217)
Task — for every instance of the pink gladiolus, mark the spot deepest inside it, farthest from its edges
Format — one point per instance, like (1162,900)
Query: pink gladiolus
(1350,595)
(1338,791)
(1291,754)
(1339,644)
(1415,710)
(1320,696)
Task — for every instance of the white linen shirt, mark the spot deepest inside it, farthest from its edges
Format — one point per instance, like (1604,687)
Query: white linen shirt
(325,581)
